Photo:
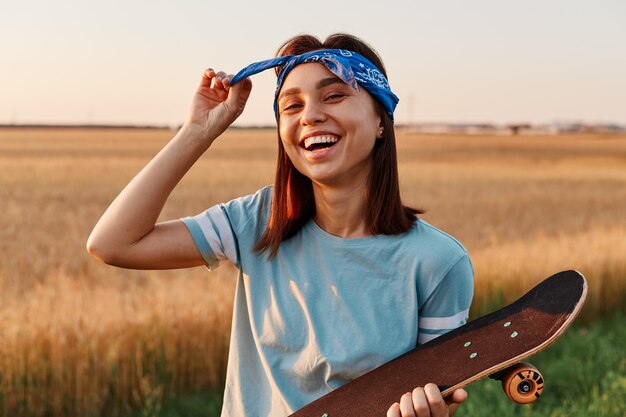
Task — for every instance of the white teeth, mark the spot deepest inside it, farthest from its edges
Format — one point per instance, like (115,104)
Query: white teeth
(319,139)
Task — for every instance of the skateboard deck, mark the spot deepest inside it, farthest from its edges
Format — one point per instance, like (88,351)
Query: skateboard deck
(481,348)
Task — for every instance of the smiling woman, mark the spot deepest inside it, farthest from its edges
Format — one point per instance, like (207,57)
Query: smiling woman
(350,63)
(336,275)
(340,125)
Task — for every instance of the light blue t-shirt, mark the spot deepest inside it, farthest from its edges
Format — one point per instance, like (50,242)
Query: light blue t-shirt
(325,310)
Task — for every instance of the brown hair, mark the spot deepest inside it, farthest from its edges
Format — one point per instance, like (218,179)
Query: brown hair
(292,200)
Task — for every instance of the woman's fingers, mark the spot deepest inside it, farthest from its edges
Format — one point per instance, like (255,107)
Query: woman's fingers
(454,400)
(394,410)
(420,403)
(238,94)
(426,402)
(218,80)
(215,80)
(435,401)
(207,78)
(407,405)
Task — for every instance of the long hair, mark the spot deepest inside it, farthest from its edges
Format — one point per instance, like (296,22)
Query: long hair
(293,203)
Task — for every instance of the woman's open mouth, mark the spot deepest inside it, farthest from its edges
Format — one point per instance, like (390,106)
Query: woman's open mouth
(316,143)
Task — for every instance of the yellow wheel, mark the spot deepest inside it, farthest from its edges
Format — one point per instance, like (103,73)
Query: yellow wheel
(522,383)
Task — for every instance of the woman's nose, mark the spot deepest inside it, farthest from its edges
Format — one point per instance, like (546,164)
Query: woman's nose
(312,113)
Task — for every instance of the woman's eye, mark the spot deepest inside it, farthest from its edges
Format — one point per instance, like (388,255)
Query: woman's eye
(291,106)
(335,96)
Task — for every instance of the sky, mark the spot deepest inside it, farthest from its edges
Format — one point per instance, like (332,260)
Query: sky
(480,61)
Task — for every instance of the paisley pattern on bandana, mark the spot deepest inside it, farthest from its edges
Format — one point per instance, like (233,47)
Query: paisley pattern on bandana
(352,68)
(374,76)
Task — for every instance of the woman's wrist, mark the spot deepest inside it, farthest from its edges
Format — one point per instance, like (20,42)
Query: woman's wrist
(196,135)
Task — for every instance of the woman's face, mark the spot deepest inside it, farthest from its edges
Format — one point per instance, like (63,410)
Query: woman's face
(327,128)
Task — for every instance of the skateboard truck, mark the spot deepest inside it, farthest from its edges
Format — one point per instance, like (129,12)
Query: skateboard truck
(522,383)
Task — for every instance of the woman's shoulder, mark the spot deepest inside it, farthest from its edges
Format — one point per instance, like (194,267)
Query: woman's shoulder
(440,255)
(252,207)
(252,201)
(435,241)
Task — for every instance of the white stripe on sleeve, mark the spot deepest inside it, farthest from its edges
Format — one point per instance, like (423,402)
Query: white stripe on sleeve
(225,232)
(210,234)
(450,322)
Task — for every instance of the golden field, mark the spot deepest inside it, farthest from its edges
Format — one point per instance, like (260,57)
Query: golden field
(78,338)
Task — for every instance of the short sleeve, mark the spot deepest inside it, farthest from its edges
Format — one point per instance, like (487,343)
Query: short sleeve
(448,305)
(213,235)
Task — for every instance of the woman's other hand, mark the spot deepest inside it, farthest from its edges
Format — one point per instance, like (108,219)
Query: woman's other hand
(427,402)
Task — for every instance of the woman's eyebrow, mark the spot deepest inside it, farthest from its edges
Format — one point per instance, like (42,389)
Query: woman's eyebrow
(328,81)
(288,92)
(320,84)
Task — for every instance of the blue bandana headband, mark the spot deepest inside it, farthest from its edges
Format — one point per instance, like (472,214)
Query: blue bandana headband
(352,68)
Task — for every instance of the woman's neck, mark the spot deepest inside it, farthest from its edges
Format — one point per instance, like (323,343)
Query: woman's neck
(341,211)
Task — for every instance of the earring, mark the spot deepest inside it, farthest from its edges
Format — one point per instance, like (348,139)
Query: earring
(380,134)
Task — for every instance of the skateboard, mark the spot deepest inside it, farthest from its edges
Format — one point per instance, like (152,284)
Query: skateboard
(493,345)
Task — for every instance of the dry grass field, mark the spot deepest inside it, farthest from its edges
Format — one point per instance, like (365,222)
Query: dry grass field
(78,338)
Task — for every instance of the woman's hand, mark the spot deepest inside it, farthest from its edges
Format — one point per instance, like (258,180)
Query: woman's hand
(427,402)
(217,104)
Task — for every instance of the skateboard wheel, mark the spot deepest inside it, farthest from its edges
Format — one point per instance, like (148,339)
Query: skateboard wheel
(522,383)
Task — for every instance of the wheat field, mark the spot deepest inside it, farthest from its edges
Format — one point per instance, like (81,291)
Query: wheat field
(78,338)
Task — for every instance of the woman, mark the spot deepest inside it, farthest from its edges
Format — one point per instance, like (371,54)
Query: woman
(336,276)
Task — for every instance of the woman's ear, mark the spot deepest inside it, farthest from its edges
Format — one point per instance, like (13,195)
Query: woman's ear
(381,130)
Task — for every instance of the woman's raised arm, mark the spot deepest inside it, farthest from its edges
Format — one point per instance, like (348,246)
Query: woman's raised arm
(127,234)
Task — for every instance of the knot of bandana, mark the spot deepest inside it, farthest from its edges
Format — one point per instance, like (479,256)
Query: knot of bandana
(352,68)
